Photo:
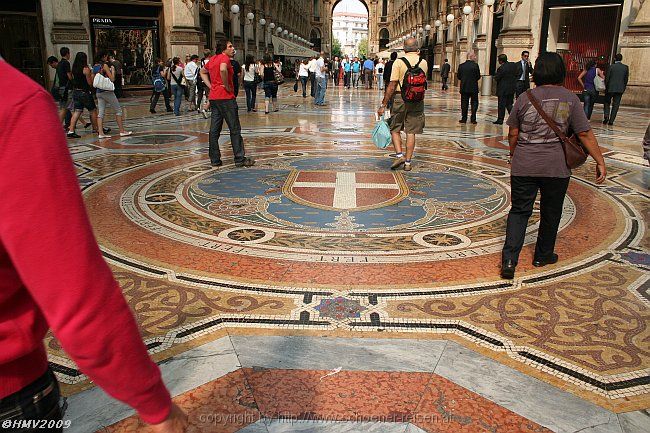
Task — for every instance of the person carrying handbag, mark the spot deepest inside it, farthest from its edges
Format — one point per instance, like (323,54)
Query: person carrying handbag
(176,85)
(541,163)
(103,78)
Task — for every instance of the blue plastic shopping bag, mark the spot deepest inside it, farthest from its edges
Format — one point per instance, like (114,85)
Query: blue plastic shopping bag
(381,134)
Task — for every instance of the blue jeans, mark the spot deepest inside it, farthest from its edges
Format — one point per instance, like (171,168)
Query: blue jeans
(251,94)
(320,91)
(589,101)
(37,401)
(303,80)
(177,91)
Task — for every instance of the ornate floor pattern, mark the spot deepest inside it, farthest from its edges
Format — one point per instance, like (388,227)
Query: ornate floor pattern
(320,238)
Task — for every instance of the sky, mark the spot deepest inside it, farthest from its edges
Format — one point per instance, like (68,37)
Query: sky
(351,6)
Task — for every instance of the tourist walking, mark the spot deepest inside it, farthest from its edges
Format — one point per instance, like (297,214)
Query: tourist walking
(312,75)
(250,83)
(107,97)
(303,76)
(469,74)
(368,71)
(379,72)
(160,81)
(524,72)
(356,72)
(270,85)
(64,78)
(538,161)
(506,78)
(218,75)
(444,74)
(201,88)
(191,73)
(50,263)
(409,78)
(119,74)
(615,85)
(321,80)
(82,98)
(586,80)
(336,70)
(347,72)
(176,74)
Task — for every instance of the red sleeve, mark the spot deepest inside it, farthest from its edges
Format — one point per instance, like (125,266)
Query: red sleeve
(46,232)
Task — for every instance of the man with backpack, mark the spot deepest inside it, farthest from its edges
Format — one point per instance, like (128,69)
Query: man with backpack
(159,80)
(409,77)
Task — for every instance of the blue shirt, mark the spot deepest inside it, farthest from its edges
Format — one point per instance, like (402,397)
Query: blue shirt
(356,67)
(346,67)
(369,64)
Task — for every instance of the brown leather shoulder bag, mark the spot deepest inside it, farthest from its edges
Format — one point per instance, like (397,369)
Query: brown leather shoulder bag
(574,152)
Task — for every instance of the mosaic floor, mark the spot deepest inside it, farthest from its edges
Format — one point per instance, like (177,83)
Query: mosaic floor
(321,291)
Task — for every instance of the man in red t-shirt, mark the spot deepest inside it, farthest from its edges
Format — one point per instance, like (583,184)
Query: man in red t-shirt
(217,75)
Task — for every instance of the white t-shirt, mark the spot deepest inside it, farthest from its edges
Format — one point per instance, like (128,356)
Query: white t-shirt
(312,65)
(379,68)
(304,70)
(320,64)
(178,72)
(190,70)
(249,73)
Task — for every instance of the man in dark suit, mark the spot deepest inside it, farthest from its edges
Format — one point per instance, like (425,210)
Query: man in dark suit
(524,71)
(506,78)
(615,84)
(444,74)
(469,74)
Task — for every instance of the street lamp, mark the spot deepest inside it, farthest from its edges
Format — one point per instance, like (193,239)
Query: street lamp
(234,9)
(467,10)
(262,22)
(272,26)
(450,18)
(278,30)
(427,27)
(437,23)
(250,16)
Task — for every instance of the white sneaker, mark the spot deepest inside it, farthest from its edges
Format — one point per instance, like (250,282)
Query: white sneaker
(126,134)
(103,136)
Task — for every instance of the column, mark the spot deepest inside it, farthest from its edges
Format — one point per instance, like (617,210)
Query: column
(634,45)
(182,33)
(217,22)
(517,35)
(484,48)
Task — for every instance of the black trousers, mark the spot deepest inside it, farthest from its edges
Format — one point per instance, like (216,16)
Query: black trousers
(201,89)
(154,100)
(615,100)
(118,86)
(521,87)
(312,80)
(336,77)
(505,103)
(464,104)
(524,191)
(444,83)
(225,109)
(38,401)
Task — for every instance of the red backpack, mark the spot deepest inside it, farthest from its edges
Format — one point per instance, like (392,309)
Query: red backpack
(414,83)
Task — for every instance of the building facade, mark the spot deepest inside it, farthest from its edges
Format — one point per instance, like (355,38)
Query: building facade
(580,30)
(349,28)
(139,31)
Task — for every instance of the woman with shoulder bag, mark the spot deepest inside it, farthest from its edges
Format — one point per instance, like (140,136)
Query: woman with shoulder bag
(586,80)
(107,97)
(270,85)
(176,74)
(82,81)
(539,160)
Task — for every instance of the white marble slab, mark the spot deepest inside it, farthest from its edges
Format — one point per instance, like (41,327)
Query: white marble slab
(635,422)
(531,398)
(93,409)
(293,426)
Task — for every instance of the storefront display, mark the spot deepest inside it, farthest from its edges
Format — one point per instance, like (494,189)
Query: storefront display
(135,42)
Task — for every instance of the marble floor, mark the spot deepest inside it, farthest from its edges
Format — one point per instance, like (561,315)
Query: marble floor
(319,291)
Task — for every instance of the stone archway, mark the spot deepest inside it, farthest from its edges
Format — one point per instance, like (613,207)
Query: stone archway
(374,9)
(316,39)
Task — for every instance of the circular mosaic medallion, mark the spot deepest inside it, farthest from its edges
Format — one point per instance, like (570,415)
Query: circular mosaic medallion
(316,207)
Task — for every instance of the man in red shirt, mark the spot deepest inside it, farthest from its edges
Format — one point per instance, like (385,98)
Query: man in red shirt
(52,274)
(218,74)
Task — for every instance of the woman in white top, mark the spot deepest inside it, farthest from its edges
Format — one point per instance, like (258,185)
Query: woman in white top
(176,88)
(379,71)
(303,75)
(250,85)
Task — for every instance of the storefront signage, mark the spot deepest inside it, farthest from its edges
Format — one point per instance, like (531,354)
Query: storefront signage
(124,23)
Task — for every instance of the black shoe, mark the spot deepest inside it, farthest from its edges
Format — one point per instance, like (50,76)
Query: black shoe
(73,135)
(247,162)
(498,122)
(216,164)
(508,269)
(605,120)
(474,122)
(462,121)
(106,130)
(152,111)
(538,263)
(610,123)
(170,110)
(87,125)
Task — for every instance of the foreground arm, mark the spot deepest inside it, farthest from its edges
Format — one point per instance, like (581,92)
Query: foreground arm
(588,139)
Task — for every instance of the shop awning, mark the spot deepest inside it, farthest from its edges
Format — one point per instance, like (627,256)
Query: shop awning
(282,47)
